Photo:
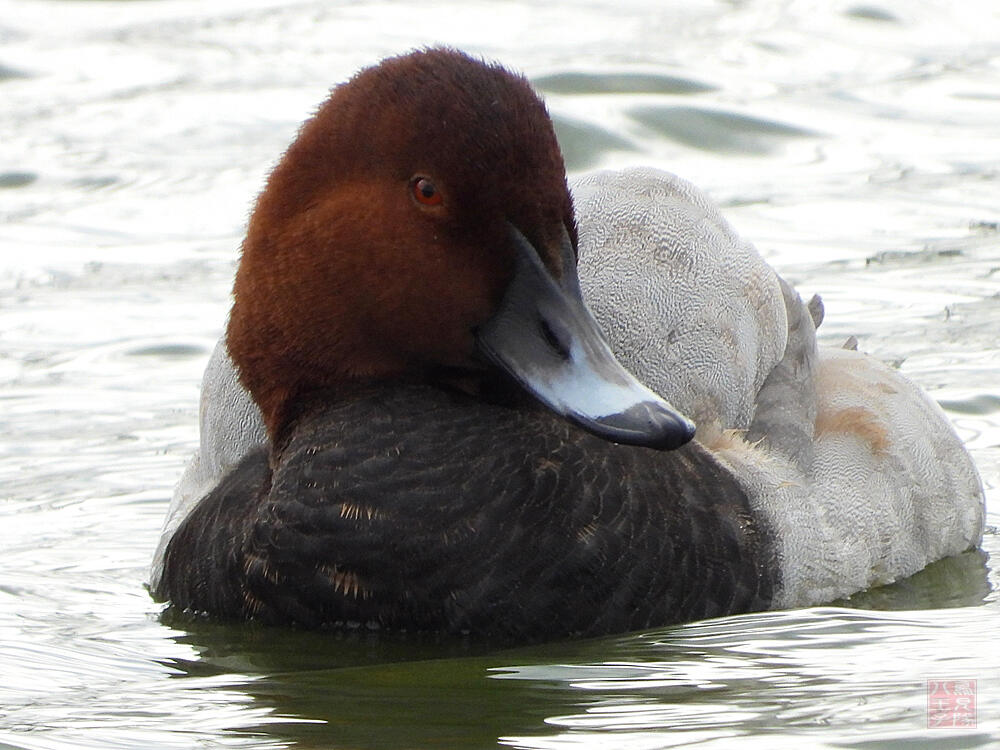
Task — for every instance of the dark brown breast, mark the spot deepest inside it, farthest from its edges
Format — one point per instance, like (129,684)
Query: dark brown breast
(417,509)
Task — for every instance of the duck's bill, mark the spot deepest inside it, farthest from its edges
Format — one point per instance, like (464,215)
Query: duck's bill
(545,338)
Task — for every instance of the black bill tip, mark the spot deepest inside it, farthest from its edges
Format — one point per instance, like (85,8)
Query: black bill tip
(650,424)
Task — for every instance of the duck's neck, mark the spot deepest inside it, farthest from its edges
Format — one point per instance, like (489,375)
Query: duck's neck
(284,408)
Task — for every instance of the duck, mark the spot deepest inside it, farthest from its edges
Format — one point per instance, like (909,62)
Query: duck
(455,395)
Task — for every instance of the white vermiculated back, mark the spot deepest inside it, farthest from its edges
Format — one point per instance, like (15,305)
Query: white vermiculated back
(690,308)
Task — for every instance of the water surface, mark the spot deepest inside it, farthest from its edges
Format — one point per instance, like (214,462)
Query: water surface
(855,144)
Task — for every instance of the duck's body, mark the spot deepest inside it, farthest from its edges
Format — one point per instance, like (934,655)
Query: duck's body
(414,503)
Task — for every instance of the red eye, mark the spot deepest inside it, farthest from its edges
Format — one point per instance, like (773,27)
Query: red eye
(425,192)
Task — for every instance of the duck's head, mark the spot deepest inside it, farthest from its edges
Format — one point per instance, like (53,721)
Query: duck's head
(420,228)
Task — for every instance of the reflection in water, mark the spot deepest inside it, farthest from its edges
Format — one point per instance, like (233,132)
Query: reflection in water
(750,678)
(365,690)
(953,582)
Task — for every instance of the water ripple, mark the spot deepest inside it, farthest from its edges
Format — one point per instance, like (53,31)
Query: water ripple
(717,130)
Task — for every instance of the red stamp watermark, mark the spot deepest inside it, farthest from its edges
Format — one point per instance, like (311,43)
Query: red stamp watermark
(951,703)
